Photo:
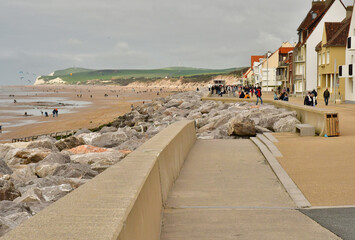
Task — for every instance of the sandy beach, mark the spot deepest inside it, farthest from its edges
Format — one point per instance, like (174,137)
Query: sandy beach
(102,109)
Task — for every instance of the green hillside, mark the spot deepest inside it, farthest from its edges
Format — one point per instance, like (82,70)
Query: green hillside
(126,76)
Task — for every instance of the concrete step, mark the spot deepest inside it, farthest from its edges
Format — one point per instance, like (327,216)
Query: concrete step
(273,149)
(270,137)
(295,193)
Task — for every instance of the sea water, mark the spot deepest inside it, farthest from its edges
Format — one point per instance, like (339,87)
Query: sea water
(34,103)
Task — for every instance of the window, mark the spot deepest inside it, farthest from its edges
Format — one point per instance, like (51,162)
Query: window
(328,57)
(323,59)
(319,59)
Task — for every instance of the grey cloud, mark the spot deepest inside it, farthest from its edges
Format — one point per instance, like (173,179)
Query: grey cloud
(44,35)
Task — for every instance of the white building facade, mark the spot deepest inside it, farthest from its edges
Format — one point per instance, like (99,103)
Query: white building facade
(305,58)
(347,71)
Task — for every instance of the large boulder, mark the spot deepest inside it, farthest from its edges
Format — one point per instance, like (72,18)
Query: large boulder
(186,105)
(269,120)
(10,207)
(173,103)
(46,169)
(81,131)
(4,148)
(12,214)
(56,158)
(32,195)
(131,145)
(241,126)
(287,124)
(68,143)
(22,174)
(8,190)
(53,193)
(75,170)
(99,161)
(83,149)
(109,140)
(18,156)
(47,143)
(4,168)
(108,129)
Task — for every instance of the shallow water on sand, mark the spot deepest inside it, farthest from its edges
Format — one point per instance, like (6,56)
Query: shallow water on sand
(34,103)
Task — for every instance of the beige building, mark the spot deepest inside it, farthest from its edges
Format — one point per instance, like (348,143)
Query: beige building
(331,54)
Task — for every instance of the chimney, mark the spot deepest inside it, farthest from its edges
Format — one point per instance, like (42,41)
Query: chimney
(349,11)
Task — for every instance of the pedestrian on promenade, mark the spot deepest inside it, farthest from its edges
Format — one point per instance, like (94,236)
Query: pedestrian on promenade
(275,95)
(56,112)
(314,92)
(326,96)
(308,101)
(53,112)
(258,95)
(242,95)
(46,114)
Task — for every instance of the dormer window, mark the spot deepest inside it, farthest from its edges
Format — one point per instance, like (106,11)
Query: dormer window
(314,15)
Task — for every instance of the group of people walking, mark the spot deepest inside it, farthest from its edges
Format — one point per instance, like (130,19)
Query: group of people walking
(237,91)
(279,94)
(311,98)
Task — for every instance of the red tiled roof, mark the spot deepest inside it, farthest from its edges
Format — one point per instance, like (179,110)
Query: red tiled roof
(284,50)
(255,59)
(338,33)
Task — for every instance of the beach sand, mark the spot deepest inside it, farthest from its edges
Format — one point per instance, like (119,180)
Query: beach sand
(101,110)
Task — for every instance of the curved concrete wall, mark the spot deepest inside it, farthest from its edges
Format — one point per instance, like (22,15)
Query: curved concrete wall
(310,115)
(124,202)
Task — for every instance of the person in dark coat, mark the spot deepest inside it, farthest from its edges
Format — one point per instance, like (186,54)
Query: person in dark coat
(326,96)
(308,101)
(242,95)
(314,92)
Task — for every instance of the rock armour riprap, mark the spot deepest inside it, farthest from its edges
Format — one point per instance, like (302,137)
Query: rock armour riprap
(34,175)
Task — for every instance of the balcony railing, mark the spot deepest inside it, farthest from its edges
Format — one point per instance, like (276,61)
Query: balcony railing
(281,78)
(282,64)
(299,59)
(299,77)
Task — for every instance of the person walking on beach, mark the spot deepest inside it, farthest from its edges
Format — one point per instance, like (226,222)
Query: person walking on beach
(326,96)
(258,95)
(56,112)
(0,127)
(53,112)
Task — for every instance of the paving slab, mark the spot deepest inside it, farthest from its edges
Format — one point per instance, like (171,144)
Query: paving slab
(235,224)
(227,173)
(226,190)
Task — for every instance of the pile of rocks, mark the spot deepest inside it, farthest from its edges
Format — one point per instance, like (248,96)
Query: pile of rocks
(214,120)
(36,174)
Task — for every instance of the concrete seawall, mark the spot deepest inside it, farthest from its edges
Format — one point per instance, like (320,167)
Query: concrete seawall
(124,202)
(316,117)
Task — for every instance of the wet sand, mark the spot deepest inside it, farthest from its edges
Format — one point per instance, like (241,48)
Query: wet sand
(103,109)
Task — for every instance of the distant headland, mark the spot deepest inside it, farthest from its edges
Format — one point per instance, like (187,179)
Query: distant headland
(125,77)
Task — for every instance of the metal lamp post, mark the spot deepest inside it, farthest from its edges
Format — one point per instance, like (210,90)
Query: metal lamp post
(267,70)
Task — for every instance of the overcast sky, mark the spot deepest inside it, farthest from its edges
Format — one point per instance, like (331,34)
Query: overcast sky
(40,36)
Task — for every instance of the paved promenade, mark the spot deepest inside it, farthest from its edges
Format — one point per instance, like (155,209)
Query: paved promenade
(236,196)
(323,168)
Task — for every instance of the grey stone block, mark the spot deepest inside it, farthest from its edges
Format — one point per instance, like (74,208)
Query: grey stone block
(305,130)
